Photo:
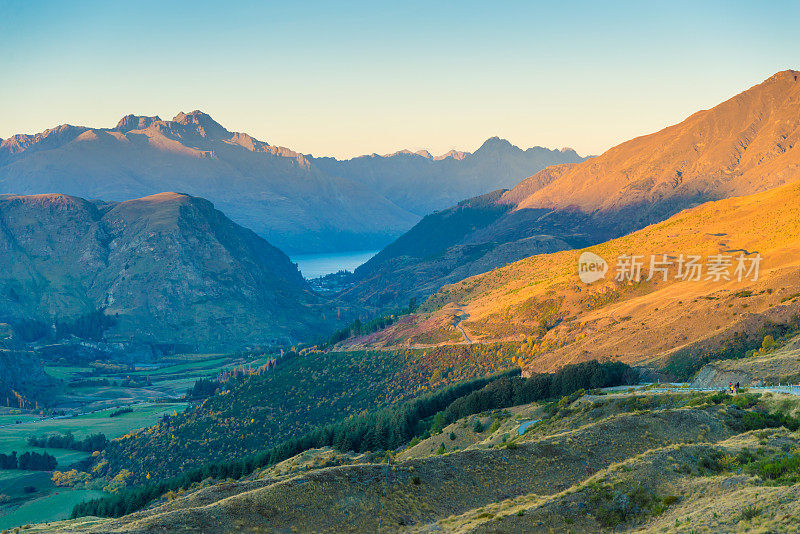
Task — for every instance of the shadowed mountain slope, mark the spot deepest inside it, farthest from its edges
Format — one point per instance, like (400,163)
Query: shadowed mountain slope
(169,267)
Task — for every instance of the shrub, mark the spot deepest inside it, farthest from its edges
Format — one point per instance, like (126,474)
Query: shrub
(669,500)
(745,456)
(749,512)
(782,469)
(746,401)
(612,507)
(495,426)
(711,462)
(757,420)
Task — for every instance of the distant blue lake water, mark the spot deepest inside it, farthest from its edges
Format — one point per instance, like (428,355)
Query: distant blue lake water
(314,265)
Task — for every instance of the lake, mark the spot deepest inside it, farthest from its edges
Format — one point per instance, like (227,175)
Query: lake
(315,265)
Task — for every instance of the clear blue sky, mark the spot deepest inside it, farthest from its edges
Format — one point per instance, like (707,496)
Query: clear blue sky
(348,78)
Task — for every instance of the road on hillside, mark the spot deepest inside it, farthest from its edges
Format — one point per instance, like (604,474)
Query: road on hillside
(457,323)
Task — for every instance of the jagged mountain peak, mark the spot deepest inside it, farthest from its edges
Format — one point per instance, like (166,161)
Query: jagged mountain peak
(455,154)
(408,152)
(203,123)
(495,144)
(135,122)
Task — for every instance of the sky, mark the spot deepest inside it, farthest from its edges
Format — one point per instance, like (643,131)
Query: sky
(351,78)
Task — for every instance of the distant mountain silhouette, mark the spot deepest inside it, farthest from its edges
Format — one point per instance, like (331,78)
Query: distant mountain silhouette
(422,183)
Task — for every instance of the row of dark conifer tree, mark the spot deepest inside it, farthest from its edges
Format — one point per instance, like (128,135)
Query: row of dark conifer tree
(28,461)
(94,442)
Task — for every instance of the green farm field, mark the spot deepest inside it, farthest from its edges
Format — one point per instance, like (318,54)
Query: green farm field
(48,502)
(88,388)
(53,506)
(14,438)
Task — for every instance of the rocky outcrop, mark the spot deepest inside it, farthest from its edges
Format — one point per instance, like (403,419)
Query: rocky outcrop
(135,122)
(712,376)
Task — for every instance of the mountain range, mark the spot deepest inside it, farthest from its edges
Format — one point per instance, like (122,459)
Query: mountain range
(163,269)
(744,145)
(297,202)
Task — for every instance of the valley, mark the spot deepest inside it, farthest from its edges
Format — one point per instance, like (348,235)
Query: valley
(316,265)
(201,331)
(742,146)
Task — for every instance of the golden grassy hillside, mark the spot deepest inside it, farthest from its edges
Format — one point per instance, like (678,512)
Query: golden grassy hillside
(541,301)
(746,144)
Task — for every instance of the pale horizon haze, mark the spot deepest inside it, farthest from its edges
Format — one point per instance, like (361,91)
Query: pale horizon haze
(356,78)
